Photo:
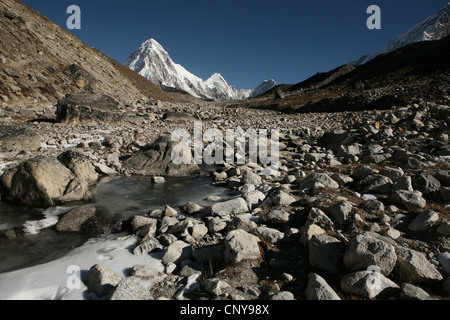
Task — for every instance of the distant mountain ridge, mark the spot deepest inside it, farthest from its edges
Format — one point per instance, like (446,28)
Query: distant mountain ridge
(435,27)
(153,62)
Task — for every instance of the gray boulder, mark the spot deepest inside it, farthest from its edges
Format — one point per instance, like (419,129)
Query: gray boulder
(240,222)
(43,182)
(424,221)
(409,200)
(131,289)
(340,212)
(254,198)
(101,280)
(16,139)
(251,178)
(317,180)
(414,268)
(411,292)
(277,216)
(367,284)
(376,183)
(364,251)
(155,159)
(177,252)
(426,183)
(73,220)
(241,245)
(282,198)
(80,165)
(319,289)
(269,235)
(233,206)
(147,246)
(362,171)
(326,252)
(87,108)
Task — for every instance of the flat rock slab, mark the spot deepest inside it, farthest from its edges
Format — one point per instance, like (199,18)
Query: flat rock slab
(15,139)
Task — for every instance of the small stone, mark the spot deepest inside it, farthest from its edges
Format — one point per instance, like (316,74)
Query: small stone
(241,222)
(169,211)
(278,216)
(251,178)
(283,295)
(215,224)
(158,180)
(282,198)
(216,286)
(147,246)
(73,220)
(147,273)
(192,208)
(104,169)
(308,231)
(269,235)
(393,233)
(317,216)
(317,180)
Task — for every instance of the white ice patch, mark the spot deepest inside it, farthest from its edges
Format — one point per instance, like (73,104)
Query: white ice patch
(50,219)
(55,279)
(192,285)
(367,197)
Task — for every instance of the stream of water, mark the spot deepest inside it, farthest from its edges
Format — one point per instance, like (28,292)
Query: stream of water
(125,196)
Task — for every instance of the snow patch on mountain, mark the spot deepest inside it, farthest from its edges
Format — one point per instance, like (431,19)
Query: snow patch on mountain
(435,27)
(153,62)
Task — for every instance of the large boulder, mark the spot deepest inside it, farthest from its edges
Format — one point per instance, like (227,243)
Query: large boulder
(101,280)
(317,180)
(233,206)
(367,284)
(73,220)
(319,289)
(326,252)
(87,108)
(80,165)
(414,268)
(15,139)
(155,159)
(43,182)
(364,251)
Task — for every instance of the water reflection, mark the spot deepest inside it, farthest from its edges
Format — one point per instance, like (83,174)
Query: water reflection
(126,196)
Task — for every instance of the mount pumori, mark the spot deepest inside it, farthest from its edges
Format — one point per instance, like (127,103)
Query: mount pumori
(153,62)
(435,27)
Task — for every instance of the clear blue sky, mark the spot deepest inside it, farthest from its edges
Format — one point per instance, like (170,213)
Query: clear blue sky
(247,41)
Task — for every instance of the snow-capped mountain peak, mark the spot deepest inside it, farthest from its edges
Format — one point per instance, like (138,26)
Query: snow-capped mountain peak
(153,62)
(216,78)
(435,27)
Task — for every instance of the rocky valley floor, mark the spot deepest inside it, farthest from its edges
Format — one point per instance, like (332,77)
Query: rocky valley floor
(357,208)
